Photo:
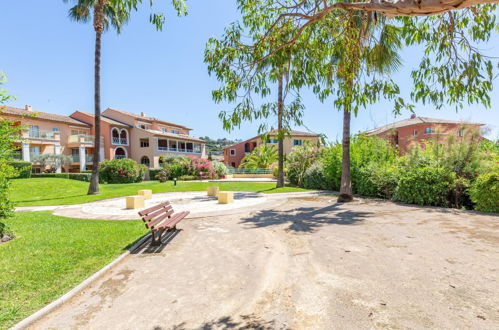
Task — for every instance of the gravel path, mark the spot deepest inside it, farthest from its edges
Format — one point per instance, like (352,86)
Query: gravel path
(307,264)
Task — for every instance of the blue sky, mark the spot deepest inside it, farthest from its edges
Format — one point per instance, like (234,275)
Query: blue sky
(48,60)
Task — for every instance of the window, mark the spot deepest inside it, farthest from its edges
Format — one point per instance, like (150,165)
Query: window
(232,152)
(460,133)
(297,142)
(272,141)
(233,164)
(34,131)
(145,161)
(164,129)
(143,126)
(175,131)
(415,132)
(55,129)
(144,143)
(120,153)
(428,130)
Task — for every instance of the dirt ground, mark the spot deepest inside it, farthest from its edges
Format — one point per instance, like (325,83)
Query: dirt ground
(307,264)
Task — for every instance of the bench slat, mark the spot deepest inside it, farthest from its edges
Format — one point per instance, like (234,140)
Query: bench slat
(170,223)
(154,208)
(154,214)
(159,219)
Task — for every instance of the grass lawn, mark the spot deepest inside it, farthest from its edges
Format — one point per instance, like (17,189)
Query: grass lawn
(53,254)
(54,191)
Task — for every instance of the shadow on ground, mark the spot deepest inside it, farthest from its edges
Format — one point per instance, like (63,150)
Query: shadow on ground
(307,219)
(147,248)
(246,322)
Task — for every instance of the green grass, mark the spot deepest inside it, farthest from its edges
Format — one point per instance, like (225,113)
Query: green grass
(53,191)
(53,254)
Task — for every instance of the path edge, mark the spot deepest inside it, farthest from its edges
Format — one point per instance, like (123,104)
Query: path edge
(24,324)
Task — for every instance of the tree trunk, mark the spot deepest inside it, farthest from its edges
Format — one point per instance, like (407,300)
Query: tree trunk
(93,188)
(346,183)
(280,111)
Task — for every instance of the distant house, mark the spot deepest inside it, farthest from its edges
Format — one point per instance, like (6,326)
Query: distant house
(417,130)
(234,154)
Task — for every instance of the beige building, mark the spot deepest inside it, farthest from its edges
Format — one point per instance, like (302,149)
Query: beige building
(47,133)
(234,154)
(151,138)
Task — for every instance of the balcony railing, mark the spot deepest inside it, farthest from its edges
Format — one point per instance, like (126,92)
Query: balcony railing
(81,139)
(88,158)
(117,140)
(188,151)
(43,135)
(75,158)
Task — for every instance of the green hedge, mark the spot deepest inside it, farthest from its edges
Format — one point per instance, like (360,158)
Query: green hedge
(187,178)
(425,186)
(73,176)
(484,192)
(22,167)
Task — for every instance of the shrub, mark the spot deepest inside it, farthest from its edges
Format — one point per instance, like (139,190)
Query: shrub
(332,165)
(425,186)
(220,169)
(201,168)
(23,169)
(377,180)
(484,192)
(314,177)
(6,206)
(51,175)
(298,161)
(164,174)
(187,177)
(153,172)
(122,171)
(177,170)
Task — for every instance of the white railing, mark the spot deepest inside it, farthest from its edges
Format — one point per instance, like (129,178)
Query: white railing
(43,135)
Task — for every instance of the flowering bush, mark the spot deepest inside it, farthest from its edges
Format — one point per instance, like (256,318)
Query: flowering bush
(299,160)
(220,169)
(201,168)
(122,171)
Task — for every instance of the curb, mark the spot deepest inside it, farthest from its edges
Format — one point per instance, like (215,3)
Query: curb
(24,324)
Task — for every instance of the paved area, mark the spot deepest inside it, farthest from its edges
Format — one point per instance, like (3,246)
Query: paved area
(308,263)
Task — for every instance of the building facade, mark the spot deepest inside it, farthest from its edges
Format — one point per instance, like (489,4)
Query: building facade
(234,154)
(123,135)
(418,130)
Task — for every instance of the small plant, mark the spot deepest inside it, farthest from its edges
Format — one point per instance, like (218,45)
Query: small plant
(163,174)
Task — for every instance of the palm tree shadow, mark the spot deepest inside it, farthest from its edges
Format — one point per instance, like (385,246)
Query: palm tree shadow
(306,219)
(246,322)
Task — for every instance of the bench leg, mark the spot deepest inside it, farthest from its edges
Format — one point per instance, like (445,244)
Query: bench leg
(156,237)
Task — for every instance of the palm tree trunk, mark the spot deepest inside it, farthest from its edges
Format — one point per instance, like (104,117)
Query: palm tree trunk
(346,183)
(280,110)
(93,188)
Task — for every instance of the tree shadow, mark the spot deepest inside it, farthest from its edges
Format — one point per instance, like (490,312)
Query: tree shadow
(306,219)
(246,322)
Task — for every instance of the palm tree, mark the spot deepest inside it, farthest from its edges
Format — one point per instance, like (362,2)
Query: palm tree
(262,156)
(358,53)
(280,134)
(105,14)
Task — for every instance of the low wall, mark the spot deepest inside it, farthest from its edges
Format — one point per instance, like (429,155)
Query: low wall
(241,176)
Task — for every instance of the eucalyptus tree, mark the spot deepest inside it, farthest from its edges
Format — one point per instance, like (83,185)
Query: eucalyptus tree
(245,77)
(107,14)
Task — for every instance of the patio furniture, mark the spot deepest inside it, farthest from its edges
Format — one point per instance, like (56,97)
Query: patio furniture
(161,218)
(213,191)
(146,193)
(135,202)
(225,197)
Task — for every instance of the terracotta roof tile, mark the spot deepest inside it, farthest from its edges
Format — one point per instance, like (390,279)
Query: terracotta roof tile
(40,115)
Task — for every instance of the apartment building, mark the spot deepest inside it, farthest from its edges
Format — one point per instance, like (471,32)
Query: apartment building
(123,135)
(50,133)
(418,130)
(234,154)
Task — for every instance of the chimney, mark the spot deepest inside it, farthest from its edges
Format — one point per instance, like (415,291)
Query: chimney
(413,116)
(142,114)
(28,107)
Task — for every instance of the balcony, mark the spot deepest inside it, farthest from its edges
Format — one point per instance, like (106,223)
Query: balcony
(120,141)
(82,139)
(88,158)
(43,136)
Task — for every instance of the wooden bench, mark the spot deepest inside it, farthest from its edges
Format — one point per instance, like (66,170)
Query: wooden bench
(161,218)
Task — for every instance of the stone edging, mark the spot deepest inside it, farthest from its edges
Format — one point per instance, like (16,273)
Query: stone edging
(76,290)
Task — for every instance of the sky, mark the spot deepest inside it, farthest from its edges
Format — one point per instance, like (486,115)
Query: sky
(49,63)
